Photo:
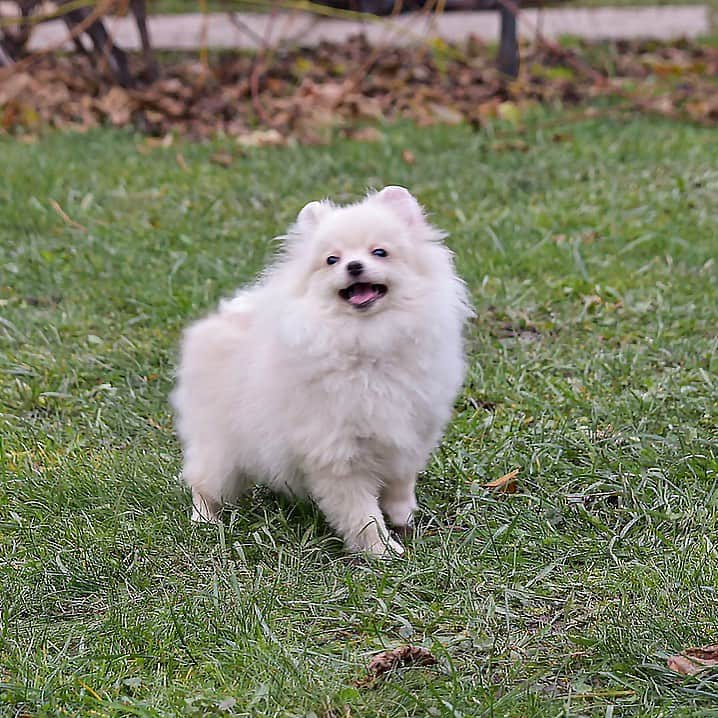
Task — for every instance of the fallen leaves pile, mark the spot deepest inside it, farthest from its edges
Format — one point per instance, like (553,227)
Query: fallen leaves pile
(311,93)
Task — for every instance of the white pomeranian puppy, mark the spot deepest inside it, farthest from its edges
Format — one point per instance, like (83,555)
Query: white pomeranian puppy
(334,375)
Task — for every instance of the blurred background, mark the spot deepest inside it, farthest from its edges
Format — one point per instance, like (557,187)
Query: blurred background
(268,71)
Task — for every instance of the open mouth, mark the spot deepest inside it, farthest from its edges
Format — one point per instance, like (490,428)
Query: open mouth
(362,295)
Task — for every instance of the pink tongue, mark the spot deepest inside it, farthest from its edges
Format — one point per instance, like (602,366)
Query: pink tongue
(362,293)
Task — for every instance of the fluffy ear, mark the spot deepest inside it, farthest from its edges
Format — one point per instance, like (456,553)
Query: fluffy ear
(311,213)
(402,202)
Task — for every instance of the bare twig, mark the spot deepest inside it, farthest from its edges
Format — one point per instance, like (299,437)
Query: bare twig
(72,34)
(65,218)
(203,43)
(37,18)
(243,27)
(257,71)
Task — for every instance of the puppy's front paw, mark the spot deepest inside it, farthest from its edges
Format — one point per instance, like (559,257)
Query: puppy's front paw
(198,517)
(400,514)
(204,511)
(405,531)
(385,548)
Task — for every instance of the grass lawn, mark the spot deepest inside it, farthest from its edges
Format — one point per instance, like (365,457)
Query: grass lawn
(591,258)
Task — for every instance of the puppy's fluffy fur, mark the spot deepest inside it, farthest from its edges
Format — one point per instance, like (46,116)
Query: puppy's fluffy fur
(334,375)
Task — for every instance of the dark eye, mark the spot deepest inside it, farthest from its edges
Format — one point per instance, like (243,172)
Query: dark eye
(379,252)
(332,259)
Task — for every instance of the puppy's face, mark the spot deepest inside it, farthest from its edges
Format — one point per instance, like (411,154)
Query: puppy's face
(366,257)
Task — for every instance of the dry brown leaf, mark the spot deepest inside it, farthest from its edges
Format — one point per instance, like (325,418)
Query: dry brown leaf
(117,105)
(154,116)
(320,117)
(171,106)
(505,483)
(396,658)
(692,661)
(223,159)
(164,142)
(14,86)
(510,146)
(367,134)
(408,157)
(328,93)
(446,115)
(261,138)
(367,107)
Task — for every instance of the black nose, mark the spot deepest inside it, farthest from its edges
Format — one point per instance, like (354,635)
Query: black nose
(355,268)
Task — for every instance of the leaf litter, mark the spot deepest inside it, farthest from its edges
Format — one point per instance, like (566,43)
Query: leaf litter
(400,657)
(693,661)
(506,483)
(309,94)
